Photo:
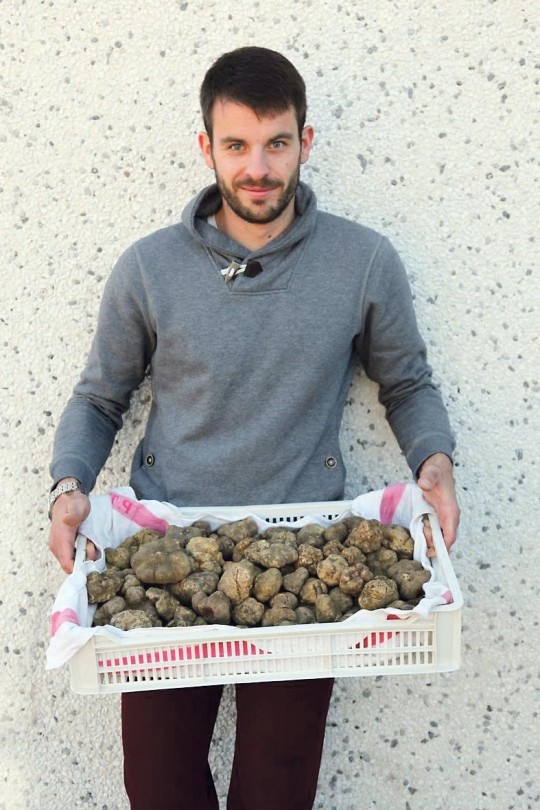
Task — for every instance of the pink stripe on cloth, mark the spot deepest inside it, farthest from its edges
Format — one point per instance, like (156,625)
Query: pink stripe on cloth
(137,513)
(195,652)
(389,502)
(61,616)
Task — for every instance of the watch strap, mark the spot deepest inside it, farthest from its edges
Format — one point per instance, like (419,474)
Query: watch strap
(66,486)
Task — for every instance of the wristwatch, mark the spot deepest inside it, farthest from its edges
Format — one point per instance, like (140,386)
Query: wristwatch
(67,486)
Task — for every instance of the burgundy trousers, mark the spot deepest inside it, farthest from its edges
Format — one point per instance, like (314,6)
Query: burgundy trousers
(280,729)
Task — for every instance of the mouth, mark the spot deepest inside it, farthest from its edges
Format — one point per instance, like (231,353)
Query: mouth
(257,193)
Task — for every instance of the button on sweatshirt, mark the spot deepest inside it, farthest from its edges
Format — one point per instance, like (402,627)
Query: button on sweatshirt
(250,377)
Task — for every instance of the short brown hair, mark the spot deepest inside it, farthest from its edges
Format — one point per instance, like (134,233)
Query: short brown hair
(261,79)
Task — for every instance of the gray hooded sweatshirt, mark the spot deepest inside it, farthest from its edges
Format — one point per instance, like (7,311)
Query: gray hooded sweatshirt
(249,378)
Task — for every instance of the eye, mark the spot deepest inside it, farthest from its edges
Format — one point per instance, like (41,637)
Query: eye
(278,144)
(235,147)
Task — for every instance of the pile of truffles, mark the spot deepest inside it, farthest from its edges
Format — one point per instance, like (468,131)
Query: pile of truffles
(246,577)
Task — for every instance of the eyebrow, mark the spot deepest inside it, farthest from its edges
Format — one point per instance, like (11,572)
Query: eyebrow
(281,136)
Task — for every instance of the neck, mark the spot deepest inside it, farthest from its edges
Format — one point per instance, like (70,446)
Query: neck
(251,234)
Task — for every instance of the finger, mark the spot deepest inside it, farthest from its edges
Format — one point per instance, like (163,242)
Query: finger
(428,534)
(449,520)
(91,551)
(449,533)
(427,530)
(62,544)
(64,552)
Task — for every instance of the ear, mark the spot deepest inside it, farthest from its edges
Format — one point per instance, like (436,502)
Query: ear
(308,133)
(205,146)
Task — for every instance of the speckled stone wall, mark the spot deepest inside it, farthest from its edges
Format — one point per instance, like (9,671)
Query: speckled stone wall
(427,129)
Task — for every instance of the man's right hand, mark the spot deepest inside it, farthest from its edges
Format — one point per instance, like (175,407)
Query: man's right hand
(68,512)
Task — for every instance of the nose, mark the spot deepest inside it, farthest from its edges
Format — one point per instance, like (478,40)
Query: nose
(257,166)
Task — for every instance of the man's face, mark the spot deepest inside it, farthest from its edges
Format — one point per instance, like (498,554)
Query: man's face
(256,160)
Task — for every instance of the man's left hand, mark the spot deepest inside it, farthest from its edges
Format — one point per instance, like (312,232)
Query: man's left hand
(436,480)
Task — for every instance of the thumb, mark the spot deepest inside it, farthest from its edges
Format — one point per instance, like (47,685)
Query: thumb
(429,477)
(75,511)
(68,513)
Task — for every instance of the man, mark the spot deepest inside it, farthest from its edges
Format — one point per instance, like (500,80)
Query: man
(248,315)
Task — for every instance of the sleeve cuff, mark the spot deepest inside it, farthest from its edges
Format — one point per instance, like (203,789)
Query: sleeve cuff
(427,446)
(73,467)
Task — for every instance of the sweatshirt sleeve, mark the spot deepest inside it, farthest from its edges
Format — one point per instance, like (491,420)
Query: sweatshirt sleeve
(393,354)
(121,351)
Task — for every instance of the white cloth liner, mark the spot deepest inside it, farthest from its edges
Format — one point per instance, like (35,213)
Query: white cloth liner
(118,514)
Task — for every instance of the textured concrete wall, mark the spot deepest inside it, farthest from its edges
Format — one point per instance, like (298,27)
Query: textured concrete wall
(427,130)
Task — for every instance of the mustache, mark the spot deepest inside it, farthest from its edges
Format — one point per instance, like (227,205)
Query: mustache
(264,183)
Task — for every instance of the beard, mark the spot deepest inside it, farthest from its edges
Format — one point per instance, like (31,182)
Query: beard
(259,212)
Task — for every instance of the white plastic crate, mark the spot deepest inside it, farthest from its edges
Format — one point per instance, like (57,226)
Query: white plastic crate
(177,657)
